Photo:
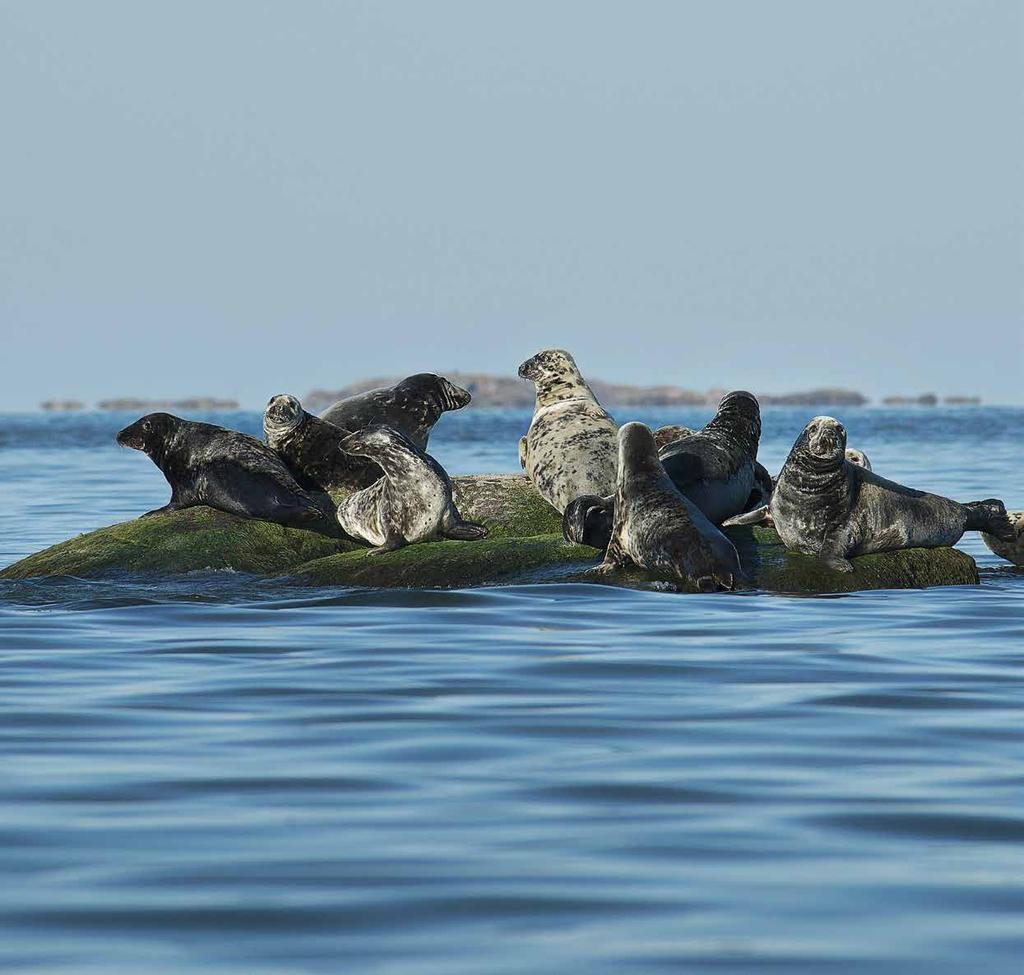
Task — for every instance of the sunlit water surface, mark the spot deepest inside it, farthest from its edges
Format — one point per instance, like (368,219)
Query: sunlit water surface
(218,773)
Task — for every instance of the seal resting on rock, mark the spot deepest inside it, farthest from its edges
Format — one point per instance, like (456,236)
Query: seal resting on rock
(716,468)
(657,527)
(858,457)
(412,406)
(312,449)
(225,469)
(1011,549)
(570,448)
(412,502)
(825,506)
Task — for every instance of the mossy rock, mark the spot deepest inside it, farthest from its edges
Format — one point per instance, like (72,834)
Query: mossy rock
(524,545)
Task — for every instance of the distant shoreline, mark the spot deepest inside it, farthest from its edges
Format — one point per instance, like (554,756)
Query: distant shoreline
(508,392)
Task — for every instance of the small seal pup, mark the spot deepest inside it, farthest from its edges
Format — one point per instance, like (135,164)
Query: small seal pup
(412,502)
(825,506)
(570,448)
(657,527)
(1006,548)
(716,468)
(207,464)
(312,448)
(412,406)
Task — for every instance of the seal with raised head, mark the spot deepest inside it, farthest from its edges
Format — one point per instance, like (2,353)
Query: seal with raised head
(657,527)
(225,469)
(825,506)
(412,406)
(716,468)
(412,502)
(312,448)
(570,448)
(858,458)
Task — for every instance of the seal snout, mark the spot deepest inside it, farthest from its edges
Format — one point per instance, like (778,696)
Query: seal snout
(826,437)
(455,397)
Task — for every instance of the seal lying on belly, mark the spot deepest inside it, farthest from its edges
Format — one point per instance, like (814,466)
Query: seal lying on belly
(412,502)
(570,448)
(716,468)
(660,529)
(412,406)
(207,464)
(312,449)
(825,506)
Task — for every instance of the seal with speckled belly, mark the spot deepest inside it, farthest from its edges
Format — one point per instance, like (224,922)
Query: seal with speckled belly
(657,527)
(225,469)
(716,468)
(412,406)
(1011,549)
(570,448)
(412,502)
(312,449)
(825,506)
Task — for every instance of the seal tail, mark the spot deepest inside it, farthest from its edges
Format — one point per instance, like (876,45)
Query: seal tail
(588,521)
(990,517)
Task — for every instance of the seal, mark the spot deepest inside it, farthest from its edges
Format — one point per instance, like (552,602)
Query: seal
(312,448)
(1011,549)
(412,502)
(858,458)
(827,507)
(225,469)
(412,406)
(570,448)
(716,468)
(666,435)
(657,527)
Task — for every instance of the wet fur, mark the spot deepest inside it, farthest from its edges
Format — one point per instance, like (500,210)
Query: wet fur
(825,506)
(658,528)
(411,502)
(412,406)
(570,448)
(225,469)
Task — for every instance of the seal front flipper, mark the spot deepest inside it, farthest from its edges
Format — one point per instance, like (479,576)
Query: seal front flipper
(171,505)
(523,448)
(465,531)
(755,517)
(391,544)
(837,564)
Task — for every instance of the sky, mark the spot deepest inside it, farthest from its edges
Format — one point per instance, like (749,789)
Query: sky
(246,198)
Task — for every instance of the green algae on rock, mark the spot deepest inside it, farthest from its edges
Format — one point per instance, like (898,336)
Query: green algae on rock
(525,545)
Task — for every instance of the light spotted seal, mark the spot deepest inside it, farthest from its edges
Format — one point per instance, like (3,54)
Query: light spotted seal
(412,406)
(716,468)
(825,506)
(657,527)
(570,448)
(412,502)
(312,449)
(669,434)
(207,464)
(858,458)
(1011,549)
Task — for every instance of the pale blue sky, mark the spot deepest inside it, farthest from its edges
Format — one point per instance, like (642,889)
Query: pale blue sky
(243,198)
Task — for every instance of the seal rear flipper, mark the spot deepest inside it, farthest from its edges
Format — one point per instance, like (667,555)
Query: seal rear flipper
(755,517)
(465,531)
(588,521)
(990,517)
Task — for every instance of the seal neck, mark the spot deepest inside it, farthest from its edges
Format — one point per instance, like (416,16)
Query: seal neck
(561,389)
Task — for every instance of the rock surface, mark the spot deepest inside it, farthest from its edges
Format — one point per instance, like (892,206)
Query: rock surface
(525,545)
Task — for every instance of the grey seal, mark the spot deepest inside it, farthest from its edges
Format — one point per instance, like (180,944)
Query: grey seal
(657,527)
(1011,549)
(827,507)
(858,458)
(669,434)
(312,448)
(412,502)
(412,406)
(225,469)
(570,448)
(716,468)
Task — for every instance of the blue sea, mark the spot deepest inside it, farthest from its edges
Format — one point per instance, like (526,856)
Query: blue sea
(216,773)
